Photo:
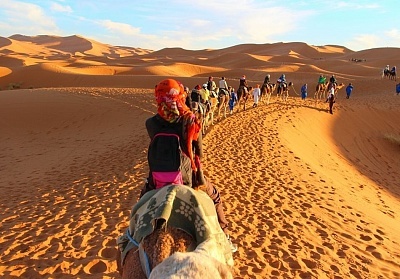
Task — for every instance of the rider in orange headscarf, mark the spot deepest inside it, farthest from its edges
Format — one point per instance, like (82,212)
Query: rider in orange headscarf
(171,106)
(172,112)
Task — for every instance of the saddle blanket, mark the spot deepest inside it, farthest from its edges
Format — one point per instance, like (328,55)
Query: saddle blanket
(181,207)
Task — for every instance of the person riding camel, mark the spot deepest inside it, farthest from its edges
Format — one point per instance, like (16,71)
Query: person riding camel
(243,83)
(267,81)
(211,86)
(205,97)
(267,78)
(332,82)
(188,101)
(204,93)
(332,79)
(321,79)
(195,94)
(282,82)
(223,86)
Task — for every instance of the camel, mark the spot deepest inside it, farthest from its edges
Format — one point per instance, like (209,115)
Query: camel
(320,91)
(242,96)
(223,101)
(390,74)
(283,91)
(199,110)
(205,112)
(338,87)
(209,119)
(174,233)
(322,94)
(266,91)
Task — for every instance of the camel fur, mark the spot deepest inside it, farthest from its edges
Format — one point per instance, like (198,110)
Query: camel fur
(205,262)
(159,245)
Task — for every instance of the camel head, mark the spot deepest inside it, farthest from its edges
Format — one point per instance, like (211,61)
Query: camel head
(208,260)
(341,85)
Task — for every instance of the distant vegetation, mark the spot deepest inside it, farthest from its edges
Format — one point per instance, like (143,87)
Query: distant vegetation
(393,138)
(12,86)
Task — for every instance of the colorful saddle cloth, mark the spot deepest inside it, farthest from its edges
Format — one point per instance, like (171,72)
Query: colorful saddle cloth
(181,207)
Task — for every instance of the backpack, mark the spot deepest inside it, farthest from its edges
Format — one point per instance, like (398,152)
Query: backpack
(167,162)
(195,96)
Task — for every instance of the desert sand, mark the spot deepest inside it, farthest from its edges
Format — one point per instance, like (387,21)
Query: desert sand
(308,194)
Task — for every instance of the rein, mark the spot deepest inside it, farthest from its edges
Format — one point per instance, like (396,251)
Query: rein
(294,90)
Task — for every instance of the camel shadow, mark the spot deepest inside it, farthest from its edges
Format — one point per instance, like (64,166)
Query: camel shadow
(312,107)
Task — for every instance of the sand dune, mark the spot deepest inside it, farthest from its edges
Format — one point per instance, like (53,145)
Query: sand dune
(82,56)
(308,194)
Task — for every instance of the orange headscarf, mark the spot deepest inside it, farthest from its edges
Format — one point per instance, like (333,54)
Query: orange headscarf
(170,97)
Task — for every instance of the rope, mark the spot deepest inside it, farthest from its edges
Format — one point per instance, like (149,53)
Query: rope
(144,259)
(295,90)
(128,234)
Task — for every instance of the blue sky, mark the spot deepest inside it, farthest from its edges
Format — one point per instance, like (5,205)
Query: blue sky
(211,24)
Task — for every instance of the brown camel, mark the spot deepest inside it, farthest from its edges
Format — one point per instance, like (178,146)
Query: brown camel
(266,92)
(338,87)
(209,119)
(283,91)
(320,91)
(162,243)
(199,110)
(174,233)
(242,96)
(223,100)
(205,113)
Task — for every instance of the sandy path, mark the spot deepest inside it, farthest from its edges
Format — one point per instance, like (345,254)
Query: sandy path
(290,217)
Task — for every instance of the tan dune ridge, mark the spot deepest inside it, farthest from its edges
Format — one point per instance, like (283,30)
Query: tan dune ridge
(308,194)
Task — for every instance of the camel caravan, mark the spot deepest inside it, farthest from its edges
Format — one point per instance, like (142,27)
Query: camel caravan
(211,103)
(389,73)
